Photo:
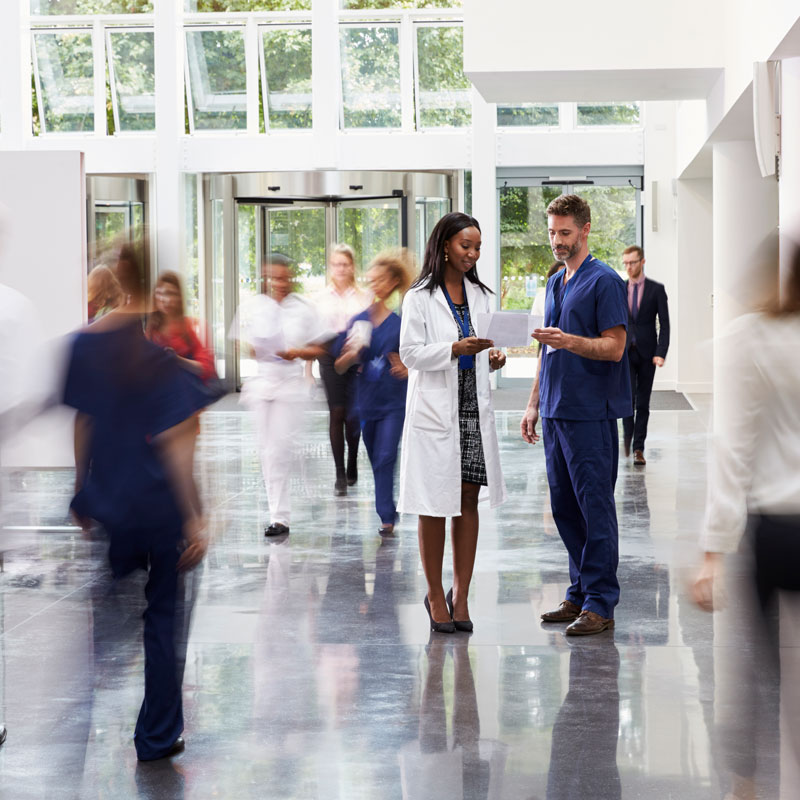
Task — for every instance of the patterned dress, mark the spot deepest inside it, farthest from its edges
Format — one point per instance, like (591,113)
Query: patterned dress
(473,464)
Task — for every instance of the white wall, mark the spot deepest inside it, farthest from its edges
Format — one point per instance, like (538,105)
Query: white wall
(43,255)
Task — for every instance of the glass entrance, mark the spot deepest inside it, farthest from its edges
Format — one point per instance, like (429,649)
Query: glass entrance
(525,254)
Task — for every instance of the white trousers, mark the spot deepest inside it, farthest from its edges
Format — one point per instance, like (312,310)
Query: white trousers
(277,426)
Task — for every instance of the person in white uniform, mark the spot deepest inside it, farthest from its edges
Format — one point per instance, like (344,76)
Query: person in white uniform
(282,330)
(450,454)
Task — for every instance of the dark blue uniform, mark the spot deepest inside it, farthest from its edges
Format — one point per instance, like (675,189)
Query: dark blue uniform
(580,401)
(134,390)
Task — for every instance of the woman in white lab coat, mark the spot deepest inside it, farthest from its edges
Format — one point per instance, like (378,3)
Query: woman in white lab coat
(450,454)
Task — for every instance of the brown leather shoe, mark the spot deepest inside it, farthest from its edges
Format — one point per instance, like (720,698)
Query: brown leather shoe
(626,443)
(566,612)
(587,623)
(638,458)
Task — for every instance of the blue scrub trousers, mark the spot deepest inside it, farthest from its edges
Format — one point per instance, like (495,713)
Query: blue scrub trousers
(582,458)
(381,438)
(155,549)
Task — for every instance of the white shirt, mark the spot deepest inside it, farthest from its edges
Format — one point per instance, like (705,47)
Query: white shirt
(338,309)
(271,327)
(756,464)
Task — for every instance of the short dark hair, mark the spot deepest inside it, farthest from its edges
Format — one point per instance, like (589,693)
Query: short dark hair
(279,260)
(570,205)
(634,248)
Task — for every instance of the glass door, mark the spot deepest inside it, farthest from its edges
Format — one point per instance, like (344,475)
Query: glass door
(369,226)
(525,254)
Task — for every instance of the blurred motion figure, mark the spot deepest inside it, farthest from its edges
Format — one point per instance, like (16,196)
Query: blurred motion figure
(133,429)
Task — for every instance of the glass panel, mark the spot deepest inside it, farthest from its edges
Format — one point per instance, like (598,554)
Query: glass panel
(246,5)
(132,61)
(444,92)
(614,212)
(429,211)
(359,4)
(528,115)
(110,224)
(608,114)
(249,272)
(217,79)
(39,7)
(218,332)
(287,78)
(299,233)
(191,267)
(525,256)
(370,77)
(66,81)
(368,226)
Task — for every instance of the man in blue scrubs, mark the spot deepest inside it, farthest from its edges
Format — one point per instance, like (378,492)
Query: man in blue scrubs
(581,389)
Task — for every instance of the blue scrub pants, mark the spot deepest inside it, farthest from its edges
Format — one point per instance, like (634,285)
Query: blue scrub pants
(582,458)
(381,438)
(155,549)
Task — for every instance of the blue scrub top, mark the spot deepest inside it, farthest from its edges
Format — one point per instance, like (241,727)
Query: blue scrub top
(378,392)
(132,390)
(570,386)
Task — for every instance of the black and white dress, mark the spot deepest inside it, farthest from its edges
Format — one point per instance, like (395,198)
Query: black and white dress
(473,464)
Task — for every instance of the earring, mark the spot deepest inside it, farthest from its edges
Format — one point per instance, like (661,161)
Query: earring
(446,257)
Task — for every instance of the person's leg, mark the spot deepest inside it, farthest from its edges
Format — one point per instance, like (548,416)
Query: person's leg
(464,537)
(352,426)
(283,425)
(161,716)
(430,532)
(591,451)
(646,373)
(564,504)
(334,392)
(382,451)
(628,422)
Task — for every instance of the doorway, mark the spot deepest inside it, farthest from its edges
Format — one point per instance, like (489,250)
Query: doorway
(302,216)
(614,195)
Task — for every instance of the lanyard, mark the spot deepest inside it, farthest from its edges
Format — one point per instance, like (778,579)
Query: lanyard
(464,362)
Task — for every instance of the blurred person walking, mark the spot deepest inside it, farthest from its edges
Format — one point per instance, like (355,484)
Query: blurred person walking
(647,346)
(133,428)
(372,342)
(751,532)
(338,303)
(450,454)
(281,329)
(103,292)
(170,328)
(581,388)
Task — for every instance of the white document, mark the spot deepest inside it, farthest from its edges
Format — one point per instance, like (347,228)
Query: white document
(507,328)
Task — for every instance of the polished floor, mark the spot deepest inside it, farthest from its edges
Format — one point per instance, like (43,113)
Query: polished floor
(311,672)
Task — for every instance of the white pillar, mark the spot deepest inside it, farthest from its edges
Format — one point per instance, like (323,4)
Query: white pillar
(745,239)
(14,45)
(789,186)
(484,188)
(169,49)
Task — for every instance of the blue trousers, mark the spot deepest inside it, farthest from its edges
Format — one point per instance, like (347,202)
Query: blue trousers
(155,549)
(381,438)
(582,458)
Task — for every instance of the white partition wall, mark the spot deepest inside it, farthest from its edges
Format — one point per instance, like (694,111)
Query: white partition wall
(43,256)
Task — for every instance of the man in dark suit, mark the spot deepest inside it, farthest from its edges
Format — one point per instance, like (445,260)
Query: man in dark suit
(647,346)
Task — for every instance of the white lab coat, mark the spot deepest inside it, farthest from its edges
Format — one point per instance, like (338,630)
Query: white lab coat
(430,465)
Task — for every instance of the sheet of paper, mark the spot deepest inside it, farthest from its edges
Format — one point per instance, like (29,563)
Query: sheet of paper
(505,328)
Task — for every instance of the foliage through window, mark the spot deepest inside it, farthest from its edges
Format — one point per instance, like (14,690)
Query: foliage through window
(608,114)
(286,76)
(68,7)
(132,59)
(370,57)
(217,79)
(65,81)
(370,4)
(530,115)
(444,98)
(222,6)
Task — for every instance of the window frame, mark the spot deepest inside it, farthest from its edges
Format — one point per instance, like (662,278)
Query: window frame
(109,31)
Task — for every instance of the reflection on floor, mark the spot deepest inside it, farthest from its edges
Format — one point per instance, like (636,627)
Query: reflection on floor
(311,672)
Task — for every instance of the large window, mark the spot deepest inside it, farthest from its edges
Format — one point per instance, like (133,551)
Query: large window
(64,75)
(68,7)
(608,114)
(443,91)
(370,58)
(216,6)
(131,61)
(528,115)
(359,4)
(286,77)
(216,77)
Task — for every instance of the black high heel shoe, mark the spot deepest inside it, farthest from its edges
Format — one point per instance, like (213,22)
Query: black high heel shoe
(460,625)
(438,627)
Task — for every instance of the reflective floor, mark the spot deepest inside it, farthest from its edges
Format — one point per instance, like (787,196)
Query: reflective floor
(311,672)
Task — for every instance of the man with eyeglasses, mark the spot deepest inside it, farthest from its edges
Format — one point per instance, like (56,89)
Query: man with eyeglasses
(647,346)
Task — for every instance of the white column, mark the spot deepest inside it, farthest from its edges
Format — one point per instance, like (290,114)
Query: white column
(169,49)
(15,47)
(745,238)
(325,84)
(484,188)
(789,187)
